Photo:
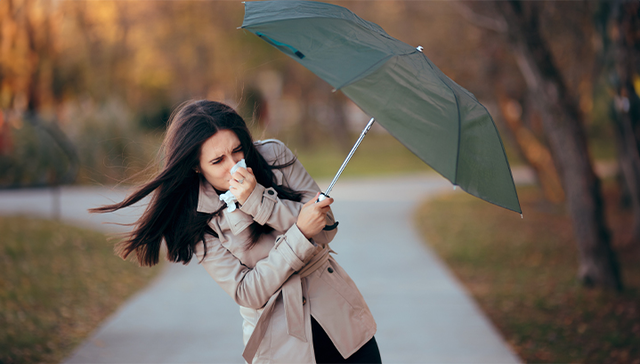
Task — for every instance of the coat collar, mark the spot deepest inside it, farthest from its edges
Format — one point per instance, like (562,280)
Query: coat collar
(208,200)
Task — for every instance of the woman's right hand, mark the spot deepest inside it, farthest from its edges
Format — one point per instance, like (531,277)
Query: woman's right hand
(312,217)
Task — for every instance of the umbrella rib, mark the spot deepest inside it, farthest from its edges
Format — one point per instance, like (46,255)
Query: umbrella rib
(359,75)
(267,22)
(508,166)
(371,69)
(459,136)
(356,20)
(455,176)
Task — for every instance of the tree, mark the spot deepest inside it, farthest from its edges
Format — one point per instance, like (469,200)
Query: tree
(619,24)
(534,150)
(564,128)
(28,70)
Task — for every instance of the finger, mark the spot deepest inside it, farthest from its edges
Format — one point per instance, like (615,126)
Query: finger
(323,213)
(326,202)
(241,172)
(313,200)
(235,184)
(237,177)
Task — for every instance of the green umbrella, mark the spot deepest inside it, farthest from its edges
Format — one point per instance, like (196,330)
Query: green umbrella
(395,83)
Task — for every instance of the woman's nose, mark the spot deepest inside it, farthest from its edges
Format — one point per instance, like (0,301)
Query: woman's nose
(229,164)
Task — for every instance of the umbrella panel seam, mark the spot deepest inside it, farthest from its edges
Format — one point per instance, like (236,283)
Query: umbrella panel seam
(455,176)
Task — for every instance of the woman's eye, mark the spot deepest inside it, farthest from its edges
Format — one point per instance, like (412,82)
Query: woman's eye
(217,161)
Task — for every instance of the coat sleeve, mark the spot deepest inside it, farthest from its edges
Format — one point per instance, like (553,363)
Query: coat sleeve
(253,287)
(266,207)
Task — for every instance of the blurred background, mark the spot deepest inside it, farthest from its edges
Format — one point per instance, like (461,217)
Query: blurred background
(86,88)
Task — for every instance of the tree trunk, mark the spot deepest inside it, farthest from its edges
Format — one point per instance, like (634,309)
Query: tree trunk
(41,49)
(535,152)
(624,19)
(65,144)
(564,129)
(629,162)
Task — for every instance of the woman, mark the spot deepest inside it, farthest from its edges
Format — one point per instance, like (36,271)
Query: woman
(270,254)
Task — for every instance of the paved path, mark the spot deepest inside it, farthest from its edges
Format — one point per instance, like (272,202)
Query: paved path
(423,313)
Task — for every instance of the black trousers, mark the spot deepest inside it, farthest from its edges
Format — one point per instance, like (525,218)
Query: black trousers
(326,352)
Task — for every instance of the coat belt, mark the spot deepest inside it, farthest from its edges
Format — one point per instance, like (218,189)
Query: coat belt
(291,292)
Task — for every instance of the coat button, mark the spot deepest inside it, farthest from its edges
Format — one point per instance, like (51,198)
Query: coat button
(330,270)
(304,300)
(270,192)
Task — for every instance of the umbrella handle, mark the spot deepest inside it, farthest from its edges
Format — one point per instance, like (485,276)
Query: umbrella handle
(323,197)
(346,161)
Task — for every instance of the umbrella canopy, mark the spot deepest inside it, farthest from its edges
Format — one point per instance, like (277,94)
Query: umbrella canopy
(438,120)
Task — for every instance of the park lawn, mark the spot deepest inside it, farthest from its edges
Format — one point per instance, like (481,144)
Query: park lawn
(379,154)
(57,283)
(522,272)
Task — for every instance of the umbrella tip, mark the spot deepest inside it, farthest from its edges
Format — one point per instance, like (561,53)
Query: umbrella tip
(521,216)
(419,48)
(454,187)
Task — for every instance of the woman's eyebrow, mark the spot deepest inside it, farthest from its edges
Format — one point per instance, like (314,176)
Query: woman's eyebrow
(234,149)
(215,159)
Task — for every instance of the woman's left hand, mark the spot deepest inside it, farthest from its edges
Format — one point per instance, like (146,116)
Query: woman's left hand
(244,189)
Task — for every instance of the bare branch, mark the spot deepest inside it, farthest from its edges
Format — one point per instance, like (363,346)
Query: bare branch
(482,21)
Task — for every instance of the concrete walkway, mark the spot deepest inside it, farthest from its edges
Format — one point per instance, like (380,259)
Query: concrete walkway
(423,313)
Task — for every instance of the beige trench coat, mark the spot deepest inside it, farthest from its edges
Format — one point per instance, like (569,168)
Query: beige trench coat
(285,278)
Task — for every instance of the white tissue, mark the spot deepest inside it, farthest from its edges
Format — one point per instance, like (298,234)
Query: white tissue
(230,200)
(242,164)
(228,197)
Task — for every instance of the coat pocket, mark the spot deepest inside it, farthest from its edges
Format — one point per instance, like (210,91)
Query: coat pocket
(338,306)
(342,284)
(238,221)
(235,233)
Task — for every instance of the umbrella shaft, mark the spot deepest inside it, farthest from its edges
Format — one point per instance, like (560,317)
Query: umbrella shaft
(353,150)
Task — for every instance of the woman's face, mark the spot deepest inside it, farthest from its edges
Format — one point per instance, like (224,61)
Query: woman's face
(217,155)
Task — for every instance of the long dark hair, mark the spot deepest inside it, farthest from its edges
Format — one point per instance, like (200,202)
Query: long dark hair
(171,213)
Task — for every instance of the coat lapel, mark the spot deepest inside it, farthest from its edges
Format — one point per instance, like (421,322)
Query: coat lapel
(208,200)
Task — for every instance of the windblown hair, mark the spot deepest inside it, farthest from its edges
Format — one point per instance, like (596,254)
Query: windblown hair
(171,214)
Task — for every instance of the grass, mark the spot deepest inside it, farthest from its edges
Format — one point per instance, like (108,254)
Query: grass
(379,154)
(57,283)
(523,274)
